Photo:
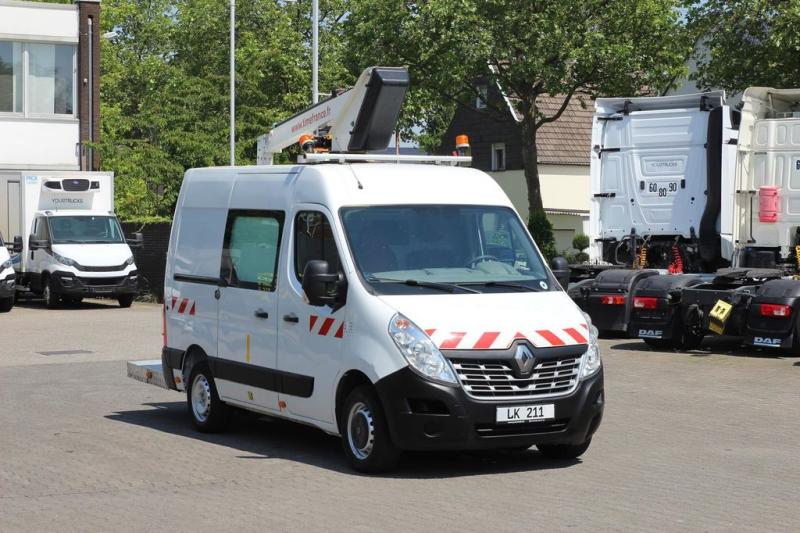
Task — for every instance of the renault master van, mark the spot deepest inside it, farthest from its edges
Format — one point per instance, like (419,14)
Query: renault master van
(400,306)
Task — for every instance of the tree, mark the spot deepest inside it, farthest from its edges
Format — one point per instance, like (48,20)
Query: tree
(575,49)
(744,43)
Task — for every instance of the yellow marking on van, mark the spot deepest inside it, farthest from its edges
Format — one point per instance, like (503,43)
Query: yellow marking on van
(250,395)
(247,350)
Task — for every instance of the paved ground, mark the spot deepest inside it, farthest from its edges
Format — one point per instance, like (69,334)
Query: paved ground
(701,441)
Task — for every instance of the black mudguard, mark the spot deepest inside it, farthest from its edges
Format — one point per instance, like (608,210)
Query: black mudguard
(773,332)
(662,322)
(589,295)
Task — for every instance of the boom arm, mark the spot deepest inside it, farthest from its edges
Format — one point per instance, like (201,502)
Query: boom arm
(360,119)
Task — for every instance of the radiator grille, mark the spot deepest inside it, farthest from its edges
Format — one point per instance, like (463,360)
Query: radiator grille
(496,380)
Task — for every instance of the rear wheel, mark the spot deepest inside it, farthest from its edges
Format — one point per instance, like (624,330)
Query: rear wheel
(564,451)
(125,300)
(365,434)
(6,304)
(208,412)
(51,297)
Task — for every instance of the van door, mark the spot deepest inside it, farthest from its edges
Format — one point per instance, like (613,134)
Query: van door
(310,340)
(246,367)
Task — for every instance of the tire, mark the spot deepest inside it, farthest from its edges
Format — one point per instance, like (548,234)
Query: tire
(365,434)
(6,304)
(125,300)
(51,297)
(564,451)
(209,414)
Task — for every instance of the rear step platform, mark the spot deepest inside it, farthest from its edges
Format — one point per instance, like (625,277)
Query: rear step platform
(147,371)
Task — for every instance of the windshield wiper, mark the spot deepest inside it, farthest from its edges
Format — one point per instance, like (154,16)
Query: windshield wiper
(510,284)
(446,287)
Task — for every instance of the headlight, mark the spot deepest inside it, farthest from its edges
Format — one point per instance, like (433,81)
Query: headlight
(591,359)
(65,260)
(129,261)
(6,264)
(422,355)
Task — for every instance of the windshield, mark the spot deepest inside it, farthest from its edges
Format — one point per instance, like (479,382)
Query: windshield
(411,249)
(85,230)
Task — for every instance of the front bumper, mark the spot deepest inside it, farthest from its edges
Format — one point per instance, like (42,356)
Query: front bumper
(8,286)
(70,285)
(423,415)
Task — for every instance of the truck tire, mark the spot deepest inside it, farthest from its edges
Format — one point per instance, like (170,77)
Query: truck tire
(564,451)
(125,300)
(209,413)
(6,304)
(51,297)
(365,434)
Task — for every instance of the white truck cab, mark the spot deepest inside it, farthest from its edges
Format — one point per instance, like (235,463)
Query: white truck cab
(402,306)
(73,246)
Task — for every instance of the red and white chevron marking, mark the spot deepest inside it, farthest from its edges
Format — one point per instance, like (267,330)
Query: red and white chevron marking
(184,305)
(500,340)
(326,326)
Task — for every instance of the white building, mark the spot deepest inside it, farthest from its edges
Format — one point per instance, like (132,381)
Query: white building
(49,85)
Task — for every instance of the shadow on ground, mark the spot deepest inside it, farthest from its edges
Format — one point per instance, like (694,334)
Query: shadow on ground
(260,437)
(33,302)
(711,345)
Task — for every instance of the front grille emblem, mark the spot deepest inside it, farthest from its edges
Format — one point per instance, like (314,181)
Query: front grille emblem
(523,358)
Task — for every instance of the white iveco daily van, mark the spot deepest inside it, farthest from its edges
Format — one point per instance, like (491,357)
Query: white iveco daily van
(401,306)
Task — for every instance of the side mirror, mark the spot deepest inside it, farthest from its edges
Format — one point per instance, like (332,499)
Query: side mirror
(17,246)
(137,241)
(321,287)
(560,268)
(35,244)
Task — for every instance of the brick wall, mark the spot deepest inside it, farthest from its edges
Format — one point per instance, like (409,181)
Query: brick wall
(151,258)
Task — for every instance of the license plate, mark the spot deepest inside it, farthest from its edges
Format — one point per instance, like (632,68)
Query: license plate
(663,188)
(526,413)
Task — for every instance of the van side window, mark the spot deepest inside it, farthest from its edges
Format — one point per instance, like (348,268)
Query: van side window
(40,229)
(251,248)
(313,239)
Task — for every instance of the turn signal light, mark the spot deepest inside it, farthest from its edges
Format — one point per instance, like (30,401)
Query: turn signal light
(612,300)
(643,302)
(775,310)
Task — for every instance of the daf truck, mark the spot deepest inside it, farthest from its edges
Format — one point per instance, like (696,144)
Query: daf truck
(71,243)
(695,212)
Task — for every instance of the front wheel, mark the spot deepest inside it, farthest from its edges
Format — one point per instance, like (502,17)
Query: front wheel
(564,451)
(125,300)
(366,440)
(208,412)
(51,297)
(6,304)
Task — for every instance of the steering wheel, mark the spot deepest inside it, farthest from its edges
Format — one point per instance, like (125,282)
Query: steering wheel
(480,258)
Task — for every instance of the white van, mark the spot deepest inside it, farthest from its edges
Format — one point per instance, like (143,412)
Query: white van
(71,242)
(401,306)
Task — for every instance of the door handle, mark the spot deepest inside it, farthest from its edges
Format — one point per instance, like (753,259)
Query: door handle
(293,318)
(260,313)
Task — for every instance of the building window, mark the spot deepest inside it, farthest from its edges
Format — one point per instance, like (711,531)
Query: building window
(37,79)
(498,156)
(10,77)
(482,98)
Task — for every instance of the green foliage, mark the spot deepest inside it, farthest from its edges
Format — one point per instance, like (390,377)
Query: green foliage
(165,95)
(745,43)
(542,232)
(580,242)
(579,48)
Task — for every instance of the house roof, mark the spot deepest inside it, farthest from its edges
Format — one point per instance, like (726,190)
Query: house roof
(568,140)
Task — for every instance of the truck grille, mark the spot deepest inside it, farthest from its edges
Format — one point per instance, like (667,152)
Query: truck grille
(496,380)
(102,282)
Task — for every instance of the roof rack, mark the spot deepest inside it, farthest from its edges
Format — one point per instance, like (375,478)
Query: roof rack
(327,157)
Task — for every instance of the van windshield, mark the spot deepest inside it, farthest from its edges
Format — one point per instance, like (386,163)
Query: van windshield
(417,248)
(85,230)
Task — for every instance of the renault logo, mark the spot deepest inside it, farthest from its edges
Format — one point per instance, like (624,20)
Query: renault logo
(524,359)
